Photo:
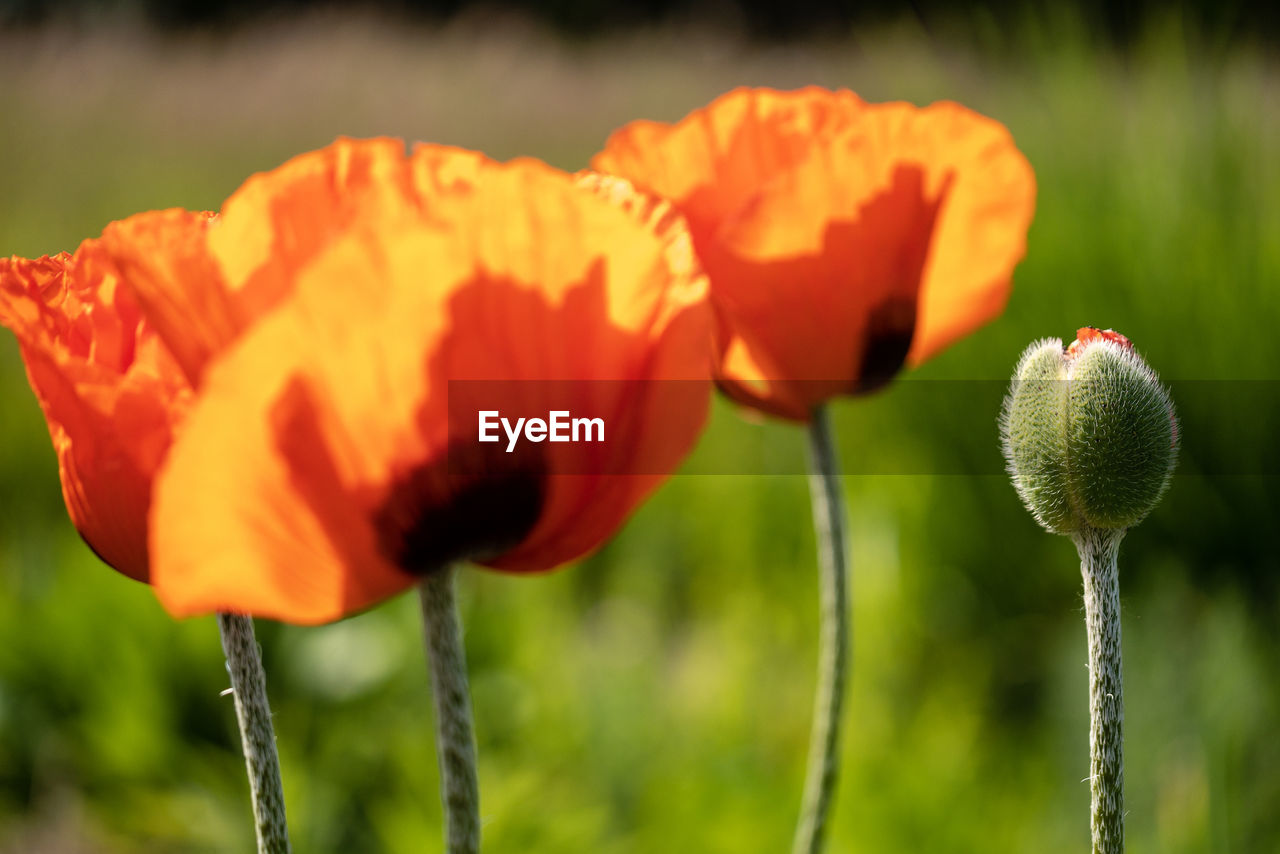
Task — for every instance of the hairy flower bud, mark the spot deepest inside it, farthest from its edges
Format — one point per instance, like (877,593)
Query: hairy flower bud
(1089,434)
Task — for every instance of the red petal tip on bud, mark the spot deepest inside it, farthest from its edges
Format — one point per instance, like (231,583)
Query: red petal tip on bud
(1088,334)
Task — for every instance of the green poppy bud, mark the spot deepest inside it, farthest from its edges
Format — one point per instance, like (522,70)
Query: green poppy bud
(1089,434)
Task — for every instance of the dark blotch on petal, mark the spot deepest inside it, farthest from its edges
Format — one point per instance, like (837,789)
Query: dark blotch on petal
(433,518)
(470,503)
(890,328)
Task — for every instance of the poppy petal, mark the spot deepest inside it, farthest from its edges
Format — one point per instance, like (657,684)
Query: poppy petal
(824,280)
(842,239)
(163,257)
(981,231)
(241,521)
(111,393)
(203,281)
(714,160)
(335,407)
(278,220)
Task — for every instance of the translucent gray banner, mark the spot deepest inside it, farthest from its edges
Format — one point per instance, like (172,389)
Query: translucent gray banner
(1227,428)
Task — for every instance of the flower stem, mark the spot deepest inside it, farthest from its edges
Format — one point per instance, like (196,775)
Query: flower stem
(455,742)
(833,663)
(249,685)
(1098,551)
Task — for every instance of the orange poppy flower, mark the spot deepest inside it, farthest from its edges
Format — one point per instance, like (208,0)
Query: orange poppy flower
(326,320)
(110,390)
(842,239)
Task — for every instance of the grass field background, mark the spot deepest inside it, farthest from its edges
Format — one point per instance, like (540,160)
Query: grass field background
(656,697)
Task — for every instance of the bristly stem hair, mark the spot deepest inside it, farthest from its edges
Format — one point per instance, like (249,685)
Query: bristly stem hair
(1098,552)
(249,686)
(833,661)
(455,741)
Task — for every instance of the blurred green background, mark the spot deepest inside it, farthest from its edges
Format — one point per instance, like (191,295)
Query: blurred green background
(656,697)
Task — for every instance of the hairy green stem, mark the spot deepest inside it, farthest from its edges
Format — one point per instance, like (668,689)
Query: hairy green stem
(833,662)
(249,686)
(455,742)
(1098,551)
